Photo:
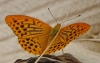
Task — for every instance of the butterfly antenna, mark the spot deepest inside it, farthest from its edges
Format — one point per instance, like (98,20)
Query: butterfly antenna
(74,17)
(52,15)
(68,13)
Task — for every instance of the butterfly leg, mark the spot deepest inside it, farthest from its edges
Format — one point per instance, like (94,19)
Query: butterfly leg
(62,51)
(52,54)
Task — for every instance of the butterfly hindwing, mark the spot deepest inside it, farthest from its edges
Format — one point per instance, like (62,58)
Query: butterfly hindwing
(34,45)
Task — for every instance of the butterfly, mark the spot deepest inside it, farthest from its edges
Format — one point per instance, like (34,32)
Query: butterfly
(35,35)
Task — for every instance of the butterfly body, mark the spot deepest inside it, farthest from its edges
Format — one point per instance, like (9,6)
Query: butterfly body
(54,30)
(34,35)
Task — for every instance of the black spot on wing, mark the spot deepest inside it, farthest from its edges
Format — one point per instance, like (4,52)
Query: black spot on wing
(21,34)
(15,21)
(34,49)
(17,28)
(27,39)
(36,46)
(25,44)
(25,29)
(26,19)
(19,31)
(29,47)
(31,44)
(28,42)
(22,26)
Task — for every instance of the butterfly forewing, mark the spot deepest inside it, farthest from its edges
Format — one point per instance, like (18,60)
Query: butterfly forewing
(25,26)
(67,34)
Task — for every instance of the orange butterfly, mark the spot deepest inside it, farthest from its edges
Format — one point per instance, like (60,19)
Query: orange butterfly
(34,35)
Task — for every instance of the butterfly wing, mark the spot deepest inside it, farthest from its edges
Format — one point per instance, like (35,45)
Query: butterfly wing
(67,34)
(25,26)
(32,33)
(34,45)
